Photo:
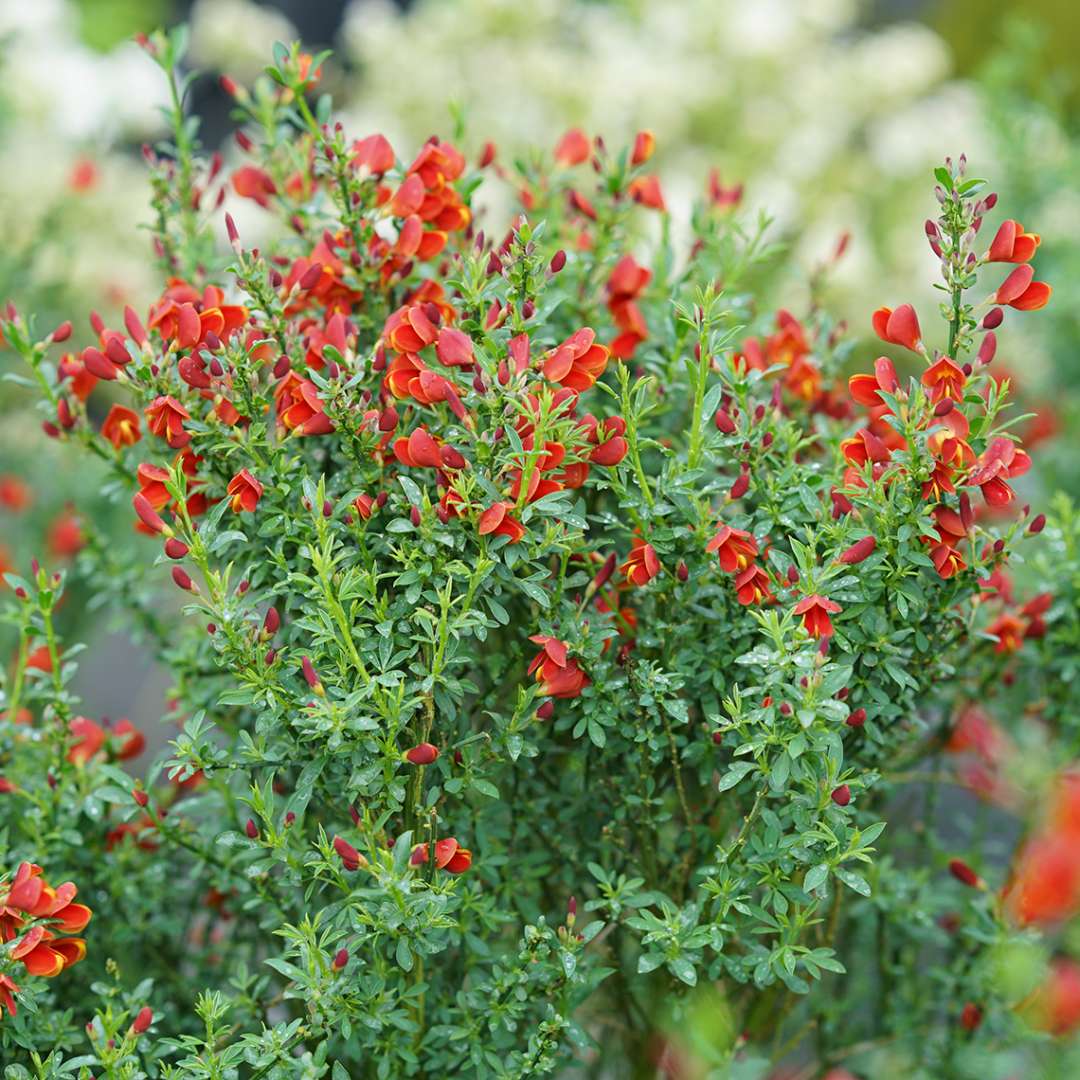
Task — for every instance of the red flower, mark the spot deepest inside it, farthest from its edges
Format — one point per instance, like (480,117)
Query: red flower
(999,461)
(87,739)
(578,362)
(736,548)
(641,564)
(1009,630)
(644,145)
(245,492)
(496,520)
(645,190)
(299,408)
(374,154)
(947,560)
(573,148)
(250,182)
(1045,887)
(723,197)
(449,856)
(944,379)
(165,418)
(1055,1007)
(66,536)
(14,494)
(865,388)
(558,675)
(752,586)
(121,427)
(1011,244)
(29,897)
(899,327)
(815,611)
(628,280)
(1020,292)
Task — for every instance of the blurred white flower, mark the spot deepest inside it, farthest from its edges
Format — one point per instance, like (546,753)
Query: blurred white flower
(236,36)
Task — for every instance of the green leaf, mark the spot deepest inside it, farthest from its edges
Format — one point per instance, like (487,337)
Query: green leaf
(853,881)
(734,774)
(683,970)
(815,877)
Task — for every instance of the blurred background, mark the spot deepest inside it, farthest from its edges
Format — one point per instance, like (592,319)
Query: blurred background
(830,113)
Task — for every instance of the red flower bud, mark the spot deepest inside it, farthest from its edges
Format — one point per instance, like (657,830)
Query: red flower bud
(310,277)
(143,1020)
(546,711)
(1037,525)
(970,1016)
(351,859)
(423,754)
(309,674)
(62,332)
(964,874)
(175,549)
(252,830)
(723,422)
(741,485)
(341,959)
(860,550)
(856,718)
(141,797)
(682,571)
(841,795)
(558,261)
(271,622)
(147,514)
(182,579)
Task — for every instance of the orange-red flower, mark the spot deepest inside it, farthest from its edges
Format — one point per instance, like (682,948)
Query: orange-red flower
(735,547)
(250,182)
(558,674)
(496,520)
(899,327)
(641,564)
(29,898)
(449,856)
(165,418)
(14,493)
(244,492)
(299,408)
(1020,292)
(724,198)
(373,154)
(123,740)
(573,148)
(66,537)
(1011,244)
(865,388)
(944,379)
(627,282)
(121,427)
(645,190)
(1001,460)
(815,611)
(1055,1005)
(578,362)
(1009,631)
(753,586)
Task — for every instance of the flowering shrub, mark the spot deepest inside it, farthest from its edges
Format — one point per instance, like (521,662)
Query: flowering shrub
(557,632)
